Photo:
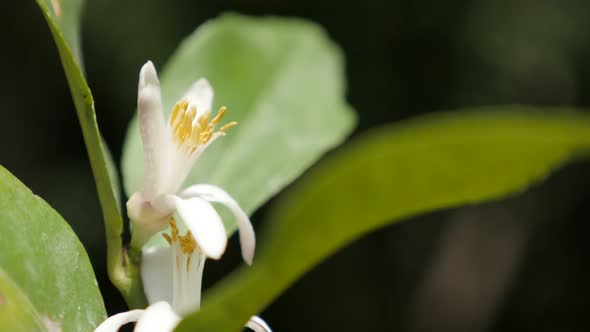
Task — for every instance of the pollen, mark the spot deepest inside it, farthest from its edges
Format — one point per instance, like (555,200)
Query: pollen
(173,237)
(190,131)
(186,242)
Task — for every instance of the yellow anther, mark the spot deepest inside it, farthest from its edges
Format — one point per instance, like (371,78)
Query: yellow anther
(190,131)
(187,243)
(218,117)
(203,120)
(179,109)
(227,126)
(173,237)
(167,238)
(195,136)
(173,229)
(205,136)
(191,113)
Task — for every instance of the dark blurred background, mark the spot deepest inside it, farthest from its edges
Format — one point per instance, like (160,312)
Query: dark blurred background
(517,264)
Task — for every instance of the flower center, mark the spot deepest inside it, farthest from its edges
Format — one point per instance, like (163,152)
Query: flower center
(186,277)
(191,130)
(186,242)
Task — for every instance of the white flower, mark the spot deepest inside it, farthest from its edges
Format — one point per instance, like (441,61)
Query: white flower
(172,275)
(170,151)
(172,281)
(159,317)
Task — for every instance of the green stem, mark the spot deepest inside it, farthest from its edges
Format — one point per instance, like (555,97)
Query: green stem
(124,272)
(123,265)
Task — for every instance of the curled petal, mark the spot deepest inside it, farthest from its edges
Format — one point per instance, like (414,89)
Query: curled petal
(114,323)
(205,225)
(156,273)
(200,94)
(215,194)
(152,130)
(258,325)
(158,317)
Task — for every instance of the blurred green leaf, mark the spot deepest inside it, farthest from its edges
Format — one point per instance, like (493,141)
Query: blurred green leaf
(281,79)
(63,18)
(43,256)
(16,311)
(385,176)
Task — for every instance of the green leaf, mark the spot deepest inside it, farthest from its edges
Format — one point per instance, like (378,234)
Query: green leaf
(281,79)
(388,175)
(63,18)
(44,258)
(16,311)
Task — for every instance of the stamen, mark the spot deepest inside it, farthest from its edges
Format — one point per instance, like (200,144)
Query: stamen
(187,243)
(173,229)
(190,131)
(167,238)
(171,238)
(227,126)
(178,108)
(205,136)
(203,120)
(219,116)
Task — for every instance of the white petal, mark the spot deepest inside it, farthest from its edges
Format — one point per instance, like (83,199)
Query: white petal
(184,168)
(189,274)
(215,194)
(146,219)
(200,94)
(158,317)
(156,273)
(205,225)
(148,76)
(152,130)
(114,323)
(258,325)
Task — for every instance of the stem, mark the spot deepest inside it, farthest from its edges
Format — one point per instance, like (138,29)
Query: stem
(123,267)
(124,272)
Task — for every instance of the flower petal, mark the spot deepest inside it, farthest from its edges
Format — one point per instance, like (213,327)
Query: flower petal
(189,276)
(152,129)
(205,225)
(215,194)
(200,94)
(156,273)
(114,323)
(146,219)
(258,325)
(158,317)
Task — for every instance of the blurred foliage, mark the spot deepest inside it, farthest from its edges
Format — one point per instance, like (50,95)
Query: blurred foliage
(403,58)
(388,175)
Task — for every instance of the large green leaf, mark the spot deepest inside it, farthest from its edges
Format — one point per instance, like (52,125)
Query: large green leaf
(282,80)
(44,258)
(63,19)
(388,175)
(16,311)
